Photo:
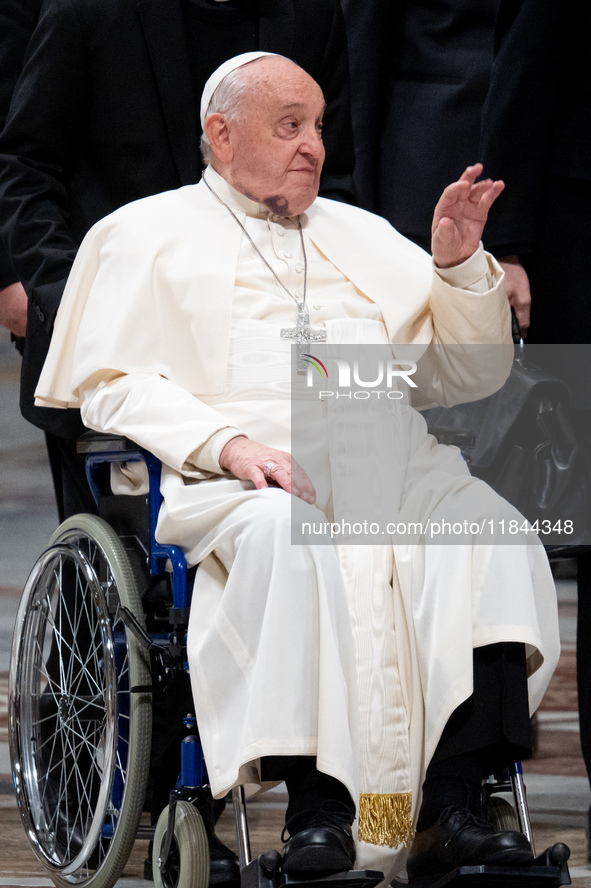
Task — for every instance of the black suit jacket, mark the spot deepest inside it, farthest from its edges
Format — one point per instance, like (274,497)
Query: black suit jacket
(426,67)
(536,135)
(17,22)
(104,113)
(536,122)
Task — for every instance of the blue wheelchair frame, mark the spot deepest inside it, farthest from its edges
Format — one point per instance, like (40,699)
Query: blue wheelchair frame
(159,554)
(263,872)
(105,451)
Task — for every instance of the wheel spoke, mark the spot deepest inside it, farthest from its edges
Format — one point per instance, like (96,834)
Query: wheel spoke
(73,739)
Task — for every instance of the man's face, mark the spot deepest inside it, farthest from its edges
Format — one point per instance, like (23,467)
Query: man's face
(277,144)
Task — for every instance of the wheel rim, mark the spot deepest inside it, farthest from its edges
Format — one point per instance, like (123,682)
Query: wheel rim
(67,775)
(171,874)
(187,865)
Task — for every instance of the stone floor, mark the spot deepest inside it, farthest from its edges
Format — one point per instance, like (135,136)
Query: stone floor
(558,790)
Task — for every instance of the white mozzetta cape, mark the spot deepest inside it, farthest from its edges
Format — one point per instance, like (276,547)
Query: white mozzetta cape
(168,263)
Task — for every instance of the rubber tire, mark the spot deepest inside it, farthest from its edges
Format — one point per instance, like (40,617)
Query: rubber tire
(502,815)
(192,848)
(91,529)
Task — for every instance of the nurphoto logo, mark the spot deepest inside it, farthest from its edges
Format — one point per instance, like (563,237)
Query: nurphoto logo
(384,373)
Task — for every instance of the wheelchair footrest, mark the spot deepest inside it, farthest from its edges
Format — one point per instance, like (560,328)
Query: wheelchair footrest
(535,876)
(351,879)
(265,872)
(508,876)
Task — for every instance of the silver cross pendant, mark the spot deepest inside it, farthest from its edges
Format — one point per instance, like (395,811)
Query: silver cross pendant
(303,334)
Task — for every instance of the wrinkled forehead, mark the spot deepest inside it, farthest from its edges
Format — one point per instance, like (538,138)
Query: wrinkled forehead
(282,85)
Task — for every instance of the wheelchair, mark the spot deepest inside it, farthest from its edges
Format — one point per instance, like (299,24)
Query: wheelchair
(86,661)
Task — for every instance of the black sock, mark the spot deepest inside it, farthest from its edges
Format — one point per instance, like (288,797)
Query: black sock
(454,781)
(311,791)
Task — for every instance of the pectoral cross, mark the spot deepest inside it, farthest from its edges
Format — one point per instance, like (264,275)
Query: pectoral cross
(302,334)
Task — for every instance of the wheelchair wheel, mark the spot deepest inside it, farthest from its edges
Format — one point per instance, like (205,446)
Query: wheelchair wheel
(188,861)
(502,814)
(80,707)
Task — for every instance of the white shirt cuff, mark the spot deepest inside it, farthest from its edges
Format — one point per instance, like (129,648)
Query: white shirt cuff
(474,274)
(207,457)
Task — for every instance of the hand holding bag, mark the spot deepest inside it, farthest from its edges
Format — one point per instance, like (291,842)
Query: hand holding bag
(521,442)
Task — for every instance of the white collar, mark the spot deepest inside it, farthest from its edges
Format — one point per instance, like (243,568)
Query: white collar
(234,199)
(242,204)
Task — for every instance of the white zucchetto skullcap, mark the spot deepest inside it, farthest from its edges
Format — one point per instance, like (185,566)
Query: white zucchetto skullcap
(223,71)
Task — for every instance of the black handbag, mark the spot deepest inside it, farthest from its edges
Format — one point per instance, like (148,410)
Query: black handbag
(521,442)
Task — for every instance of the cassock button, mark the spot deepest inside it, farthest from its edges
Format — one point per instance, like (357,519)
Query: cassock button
(40,314)
(280,231)
(287,254)
(299,268)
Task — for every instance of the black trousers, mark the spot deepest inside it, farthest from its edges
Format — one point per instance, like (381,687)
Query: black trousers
(494,721)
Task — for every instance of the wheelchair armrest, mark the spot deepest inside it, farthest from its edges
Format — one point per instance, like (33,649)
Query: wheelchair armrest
(459,437)
(101,450)
(99,442)
(565,551)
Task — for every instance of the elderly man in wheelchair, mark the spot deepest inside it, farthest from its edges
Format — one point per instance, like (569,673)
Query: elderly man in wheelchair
(382,683)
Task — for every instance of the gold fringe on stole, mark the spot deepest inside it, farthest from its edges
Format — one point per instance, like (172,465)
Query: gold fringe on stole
(384,819)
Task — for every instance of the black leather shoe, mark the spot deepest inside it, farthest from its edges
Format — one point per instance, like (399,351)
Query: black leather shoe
(319,849)
(321,841)
(458,838)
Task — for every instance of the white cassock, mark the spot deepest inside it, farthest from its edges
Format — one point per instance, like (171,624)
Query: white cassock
(169,333)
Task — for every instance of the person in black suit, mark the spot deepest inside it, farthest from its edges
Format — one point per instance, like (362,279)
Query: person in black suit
(18,19)
(536,131)
(536,135)
(421,73)
(17,22)
(106,112)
